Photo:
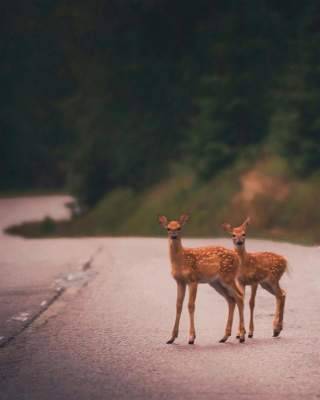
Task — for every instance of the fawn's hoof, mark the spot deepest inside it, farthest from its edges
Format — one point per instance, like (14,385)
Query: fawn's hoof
(224,339)
(242,339)
(276,332)
(170,341)
(192,339)
(250,335)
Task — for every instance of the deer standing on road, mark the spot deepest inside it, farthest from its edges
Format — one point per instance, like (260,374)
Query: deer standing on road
(262,268)
(216,266)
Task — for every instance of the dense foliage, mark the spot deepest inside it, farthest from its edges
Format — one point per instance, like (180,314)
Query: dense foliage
(106,94)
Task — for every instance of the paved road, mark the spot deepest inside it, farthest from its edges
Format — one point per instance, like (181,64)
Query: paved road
(108,341)
(32,270)
(14,210)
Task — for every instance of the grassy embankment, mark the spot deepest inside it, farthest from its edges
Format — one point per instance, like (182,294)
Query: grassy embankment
(280,206)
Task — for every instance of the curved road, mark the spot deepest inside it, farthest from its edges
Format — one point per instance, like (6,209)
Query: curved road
(32,270)
(108,341)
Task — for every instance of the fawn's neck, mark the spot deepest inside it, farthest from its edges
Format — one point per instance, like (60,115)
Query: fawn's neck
(243,255)
(176,252)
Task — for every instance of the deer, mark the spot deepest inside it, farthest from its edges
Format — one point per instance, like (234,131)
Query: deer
(216,266)
(262,268)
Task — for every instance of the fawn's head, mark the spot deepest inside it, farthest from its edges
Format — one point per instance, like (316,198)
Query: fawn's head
(238,233)
(173,227)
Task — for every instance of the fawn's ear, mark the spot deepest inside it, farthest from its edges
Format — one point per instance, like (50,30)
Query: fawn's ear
(163,220)
(246,223)
(183,219)
(226,227)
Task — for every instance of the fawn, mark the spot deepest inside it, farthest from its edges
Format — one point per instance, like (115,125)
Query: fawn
(216,266)
(262,268)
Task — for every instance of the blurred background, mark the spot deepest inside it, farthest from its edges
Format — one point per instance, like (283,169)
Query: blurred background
(139,107)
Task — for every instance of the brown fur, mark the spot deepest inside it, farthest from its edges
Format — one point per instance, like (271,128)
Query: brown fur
(264,268)
(216,266)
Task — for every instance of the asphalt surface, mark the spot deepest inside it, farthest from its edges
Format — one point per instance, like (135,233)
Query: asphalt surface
(33,271)
(108,340)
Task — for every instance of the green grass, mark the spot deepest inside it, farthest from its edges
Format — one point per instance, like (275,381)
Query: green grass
(293,217)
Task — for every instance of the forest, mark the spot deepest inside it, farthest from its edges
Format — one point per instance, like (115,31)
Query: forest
(116,96)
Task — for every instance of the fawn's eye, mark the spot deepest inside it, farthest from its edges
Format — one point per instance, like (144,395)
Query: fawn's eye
(179,229)
(168,229)
(243,234)
(233,235)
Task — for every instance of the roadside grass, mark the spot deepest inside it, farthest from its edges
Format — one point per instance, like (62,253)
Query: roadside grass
(294,216)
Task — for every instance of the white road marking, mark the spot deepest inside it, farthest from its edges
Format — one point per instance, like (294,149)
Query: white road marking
(21,317)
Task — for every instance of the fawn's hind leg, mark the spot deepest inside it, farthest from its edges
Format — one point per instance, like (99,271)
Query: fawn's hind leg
(280,295)
(238,293)
(251,305)
(231,306)
(191,306)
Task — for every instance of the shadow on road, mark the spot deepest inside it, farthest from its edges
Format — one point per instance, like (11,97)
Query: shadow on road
(232,345)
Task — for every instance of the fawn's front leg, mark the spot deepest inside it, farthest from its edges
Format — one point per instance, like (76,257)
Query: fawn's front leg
(181,290)
(191,306)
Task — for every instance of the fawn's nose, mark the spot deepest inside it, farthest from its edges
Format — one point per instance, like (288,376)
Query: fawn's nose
(239,242)
(174,235)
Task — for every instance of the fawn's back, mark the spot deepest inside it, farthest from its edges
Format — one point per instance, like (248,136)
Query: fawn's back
(205,264)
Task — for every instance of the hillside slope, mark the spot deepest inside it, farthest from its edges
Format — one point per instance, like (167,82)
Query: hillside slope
(280,206)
